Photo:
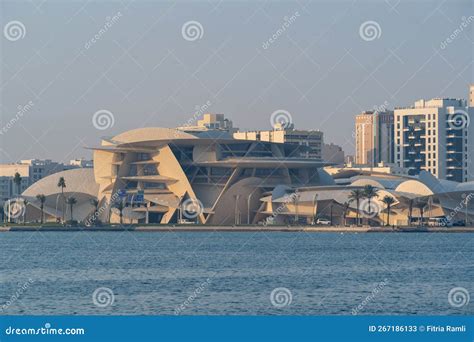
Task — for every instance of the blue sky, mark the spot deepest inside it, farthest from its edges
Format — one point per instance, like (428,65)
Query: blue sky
(143,71)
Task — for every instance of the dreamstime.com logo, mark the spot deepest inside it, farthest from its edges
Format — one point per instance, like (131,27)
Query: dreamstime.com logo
(281,297)
(281,118)
(103,297)
(370,30)
(18,293)
(103,119)
(458,297)
(375,291)
(192,208)
(46,330)
(197,291)
(459,120)
(192,30)
(369,209)
(14,30)
(14,208)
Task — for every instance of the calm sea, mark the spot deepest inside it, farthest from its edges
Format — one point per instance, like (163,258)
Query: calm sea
(234,273)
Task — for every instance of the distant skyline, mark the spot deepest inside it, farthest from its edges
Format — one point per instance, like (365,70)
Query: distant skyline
(140,62)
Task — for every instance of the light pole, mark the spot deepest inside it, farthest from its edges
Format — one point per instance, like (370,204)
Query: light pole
(248,207)
(315,201)
(236,211)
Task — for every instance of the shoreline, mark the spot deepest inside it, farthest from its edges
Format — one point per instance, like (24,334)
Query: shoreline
(203,228)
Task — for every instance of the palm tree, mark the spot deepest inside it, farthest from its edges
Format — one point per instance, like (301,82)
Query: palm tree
(25,203)
(17,181)
(71,201)
(346,208)
(369,193)
(421,207)
(41,198)
(120,206)
(95,203)
(388,200)
(410,211)
(62,185)
(356,195)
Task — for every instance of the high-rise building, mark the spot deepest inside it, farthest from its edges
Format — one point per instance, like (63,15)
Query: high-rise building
(471,95)
(333,154)
(433,136)
(374,138)
(310,142)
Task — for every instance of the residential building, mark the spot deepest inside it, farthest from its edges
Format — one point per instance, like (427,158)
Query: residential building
(432,135)
(210,122)
(374,138)
(81,162)
(310,142)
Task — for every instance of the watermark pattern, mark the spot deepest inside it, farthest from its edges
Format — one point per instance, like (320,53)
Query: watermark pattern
(281,118)
(370,297)
(199,111)
(458,297)
(20,290)
(14,30)
(369,209)
(370,30)
(287,22)
(465,22)
(109,22)
(14,208)
(197,291)
(103,297)
(22,110)
(289,198)
(192,208)
(93,218)
(103,119)
(281,297)
(461,206)
(192,30)
(459,120)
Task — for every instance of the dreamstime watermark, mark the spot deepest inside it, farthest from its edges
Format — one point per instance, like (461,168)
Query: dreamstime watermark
(281,119)
(14,30)
(14,208)
(192,208)
(376,290)
(103,297)
(463,205)
(459,120)
(281,297)
(46,330)
(369,209)
(192,30)
(19,291)
(458,297)
(465,22)
(21,110)
(288,198)
(287,22)
(109,22)
(103,119)
(97,213)
(370,30)
(200,110)
(197,291)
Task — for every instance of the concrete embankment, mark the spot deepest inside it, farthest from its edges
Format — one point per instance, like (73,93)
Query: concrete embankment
(204,228)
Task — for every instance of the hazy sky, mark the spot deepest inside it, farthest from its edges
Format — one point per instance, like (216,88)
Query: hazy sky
(322,69)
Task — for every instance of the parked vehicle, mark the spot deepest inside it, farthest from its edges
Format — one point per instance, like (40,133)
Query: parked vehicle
(322,221)
(439,222)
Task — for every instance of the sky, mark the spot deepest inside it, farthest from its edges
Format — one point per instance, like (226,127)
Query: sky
(66,82)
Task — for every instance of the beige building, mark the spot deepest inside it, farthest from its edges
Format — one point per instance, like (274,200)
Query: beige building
(209,122)
(471,95)
(374,138)
(310,142)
